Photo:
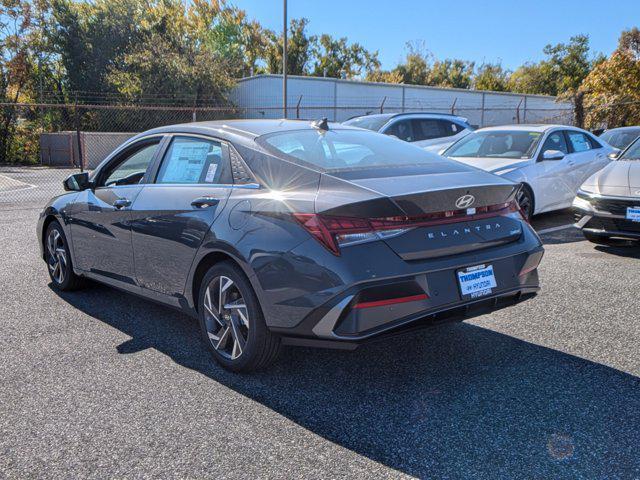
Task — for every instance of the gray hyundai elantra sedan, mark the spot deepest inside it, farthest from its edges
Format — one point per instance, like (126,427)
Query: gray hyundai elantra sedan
(277,232)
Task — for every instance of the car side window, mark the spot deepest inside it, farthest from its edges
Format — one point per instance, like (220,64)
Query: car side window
(403,130)
(130,169)
(595,144)
(427,129)
(555,141)
(192,160)
(450,128)
(579,141)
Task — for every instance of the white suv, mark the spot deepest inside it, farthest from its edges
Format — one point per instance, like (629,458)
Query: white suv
(432,131)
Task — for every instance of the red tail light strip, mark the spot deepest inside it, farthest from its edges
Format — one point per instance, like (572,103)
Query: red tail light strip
(325,227)
(392,301)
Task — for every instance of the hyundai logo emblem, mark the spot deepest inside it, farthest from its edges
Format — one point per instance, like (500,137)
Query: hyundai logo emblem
(465,201)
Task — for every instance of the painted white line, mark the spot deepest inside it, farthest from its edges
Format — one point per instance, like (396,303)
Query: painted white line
(11,185)
(20,189)
(555,229)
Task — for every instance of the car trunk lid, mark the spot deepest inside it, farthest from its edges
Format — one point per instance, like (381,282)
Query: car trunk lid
(435,213)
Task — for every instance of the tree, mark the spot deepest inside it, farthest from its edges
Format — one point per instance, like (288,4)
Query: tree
(612,89)
(336,58)
(491,76)
(298,49)
(91,39)
(384,76)
(21,65)
(452,73)
(181,50)
(255,43)
(560,73)
(417,65)
(630,42)
(532,78)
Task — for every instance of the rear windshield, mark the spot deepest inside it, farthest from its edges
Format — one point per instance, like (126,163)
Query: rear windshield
(496,143)
(337,150)
(620,138)
(370,123)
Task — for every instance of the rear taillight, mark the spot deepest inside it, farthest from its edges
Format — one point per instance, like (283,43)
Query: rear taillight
(334,232)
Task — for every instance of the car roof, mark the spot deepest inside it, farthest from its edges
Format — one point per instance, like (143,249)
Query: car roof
(622,129)
(389,116)
(527,128)
(249,128)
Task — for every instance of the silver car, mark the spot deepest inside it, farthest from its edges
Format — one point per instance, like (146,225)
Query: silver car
(432,131)
(607,206)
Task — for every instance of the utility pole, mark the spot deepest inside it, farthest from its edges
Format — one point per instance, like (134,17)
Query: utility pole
(284,63)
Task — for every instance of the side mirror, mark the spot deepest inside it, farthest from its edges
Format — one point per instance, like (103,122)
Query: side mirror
(77,182)
(552,155)
(614,155)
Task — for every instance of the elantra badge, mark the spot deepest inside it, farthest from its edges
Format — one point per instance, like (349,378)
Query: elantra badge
(465,201)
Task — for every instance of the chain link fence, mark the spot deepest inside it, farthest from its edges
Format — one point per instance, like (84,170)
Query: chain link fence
(42,143)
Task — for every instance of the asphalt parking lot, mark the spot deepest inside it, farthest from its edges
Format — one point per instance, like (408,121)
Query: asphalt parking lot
(99,384)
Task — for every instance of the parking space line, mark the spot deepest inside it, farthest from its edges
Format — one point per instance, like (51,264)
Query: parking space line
(555,229)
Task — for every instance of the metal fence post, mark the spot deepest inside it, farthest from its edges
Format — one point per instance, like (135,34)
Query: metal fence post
(482,110)
(518,112)
(524,111)
(335,100)
(403,98)
(298,107)
(78,137)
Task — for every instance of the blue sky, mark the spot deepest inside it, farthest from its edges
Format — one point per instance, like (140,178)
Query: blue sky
(511,31)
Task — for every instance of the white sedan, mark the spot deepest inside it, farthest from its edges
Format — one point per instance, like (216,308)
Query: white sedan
(550,161)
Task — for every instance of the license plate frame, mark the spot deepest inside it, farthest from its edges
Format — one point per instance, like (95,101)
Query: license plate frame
(479,285)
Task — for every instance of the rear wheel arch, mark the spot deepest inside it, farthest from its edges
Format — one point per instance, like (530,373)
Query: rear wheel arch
(204,264)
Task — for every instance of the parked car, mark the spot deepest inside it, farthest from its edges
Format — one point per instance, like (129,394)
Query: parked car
(550,161)
(620,138)
(431,131)
(607,206)
(277,232)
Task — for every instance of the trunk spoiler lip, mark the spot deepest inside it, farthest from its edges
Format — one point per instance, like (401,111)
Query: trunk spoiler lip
(394,200)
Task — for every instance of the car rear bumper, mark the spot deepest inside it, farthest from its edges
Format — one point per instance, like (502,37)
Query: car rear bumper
(376,309)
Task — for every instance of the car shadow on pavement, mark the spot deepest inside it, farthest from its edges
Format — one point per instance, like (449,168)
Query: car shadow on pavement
(628,251)
(454,401)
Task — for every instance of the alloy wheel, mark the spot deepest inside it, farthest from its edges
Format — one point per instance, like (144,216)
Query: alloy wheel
(57,256)
(226,317)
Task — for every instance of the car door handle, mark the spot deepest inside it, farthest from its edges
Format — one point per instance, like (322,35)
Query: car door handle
(204,202)
(121,203)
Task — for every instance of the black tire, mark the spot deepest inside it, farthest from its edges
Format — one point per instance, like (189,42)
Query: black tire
(525,200)
(608,241)
(246,330)
(58,257)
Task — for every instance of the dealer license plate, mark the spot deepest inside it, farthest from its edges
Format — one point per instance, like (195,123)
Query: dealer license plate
(476,281)
(633,214)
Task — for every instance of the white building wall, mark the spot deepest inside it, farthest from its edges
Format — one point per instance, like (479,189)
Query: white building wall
(338,100)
